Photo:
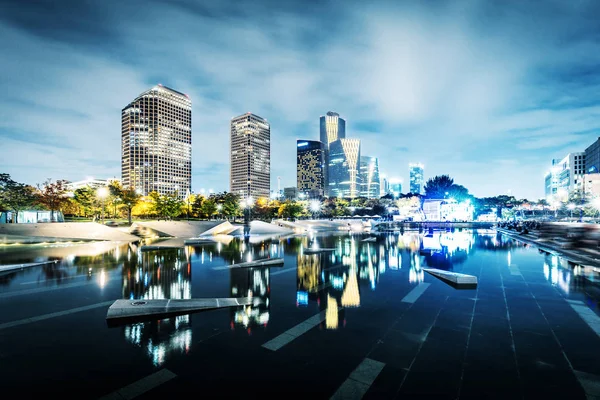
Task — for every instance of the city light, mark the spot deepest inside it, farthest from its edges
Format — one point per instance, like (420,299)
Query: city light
(102,192)
(315,206)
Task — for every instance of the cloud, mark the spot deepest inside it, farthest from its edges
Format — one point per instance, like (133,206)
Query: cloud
(459,86)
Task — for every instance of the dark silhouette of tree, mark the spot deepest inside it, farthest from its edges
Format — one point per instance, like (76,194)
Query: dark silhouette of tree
(52,195)
(438,186)
(15,196)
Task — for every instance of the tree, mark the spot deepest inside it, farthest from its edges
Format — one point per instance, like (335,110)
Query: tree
(168,205)
(290,209)
(438,186)
(52,195)
(230,204)
(15,196)
(129,199)
(86,198)
(209,207)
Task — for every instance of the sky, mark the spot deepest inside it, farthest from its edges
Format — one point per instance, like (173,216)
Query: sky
(488,92)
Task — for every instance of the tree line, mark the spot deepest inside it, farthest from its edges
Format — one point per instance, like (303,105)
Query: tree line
(119,202)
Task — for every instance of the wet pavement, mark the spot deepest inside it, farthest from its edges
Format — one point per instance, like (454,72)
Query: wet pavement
(362,321)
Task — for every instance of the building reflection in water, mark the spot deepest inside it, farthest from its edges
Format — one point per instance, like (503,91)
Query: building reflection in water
(558,272)
(245,282)
(337,280)
(250,282)
(164,274)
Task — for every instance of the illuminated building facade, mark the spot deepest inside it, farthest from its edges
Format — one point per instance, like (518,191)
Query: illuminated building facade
(344,177)
(565,177)
(369,177)
(156,142)
(250,173)
(311,168)
(332,128)
(417,181)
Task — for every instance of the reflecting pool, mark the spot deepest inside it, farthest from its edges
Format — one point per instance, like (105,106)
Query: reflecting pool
(328,312)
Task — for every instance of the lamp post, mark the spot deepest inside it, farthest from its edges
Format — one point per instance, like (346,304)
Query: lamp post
(102,193)
(315,207)
(116,200)
(571,207)
(219,208)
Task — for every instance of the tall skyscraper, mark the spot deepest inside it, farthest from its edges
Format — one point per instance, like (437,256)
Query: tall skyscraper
(385,186)
(250,156)
(416,178)
(156,142)
(311,168)
(343,170)
(332,128)
(369,177)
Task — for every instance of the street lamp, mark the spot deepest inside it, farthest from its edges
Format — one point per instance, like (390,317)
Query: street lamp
(219,208)
(571,207)
(102,194)
(116,201)
(315,207)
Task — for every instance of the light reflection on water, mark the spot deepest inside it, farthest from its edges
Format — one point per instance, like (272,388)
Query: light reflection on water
(331,281)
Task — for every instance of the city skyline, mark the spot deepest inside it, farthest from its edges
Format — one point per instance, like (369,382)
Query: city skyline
(486,93)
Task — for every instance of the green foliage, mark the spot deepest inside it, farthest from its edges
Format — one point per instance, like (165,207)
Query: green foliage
(209,207)
(15,196)
(166,206)
(290,209)
(230,204)
(127,198)
(86,199)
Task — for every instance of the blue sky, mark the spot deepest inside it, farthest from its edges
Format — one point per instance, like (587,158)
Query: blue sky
(485,91)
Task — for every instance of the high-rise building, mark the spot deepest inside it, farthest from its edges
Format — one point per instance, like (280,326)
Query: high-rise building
(332,128)
(311,168)
(343,170)
(416,178)
(565,177)
(385,186)
(551,180)
(250,156)
(369,177)
(156,142)
(395,187)
(592,158)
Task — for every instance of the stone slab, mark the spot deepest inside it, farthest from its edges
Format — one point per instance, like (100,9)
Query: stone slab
(455,279)
(267,262)
(317,251)
(125,310)
(14,267)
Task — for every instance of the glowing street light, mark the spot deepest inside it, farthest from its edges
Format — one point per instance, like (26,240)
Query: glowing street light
(102,193)
(571,207)
(219,209)
(315,207)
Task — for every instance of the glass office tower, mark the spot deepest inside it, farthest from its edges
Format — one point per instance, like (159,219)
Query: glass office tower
(417,184)
(343,169)
(250,173)
(311,168)
(156,142)
(369,177)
